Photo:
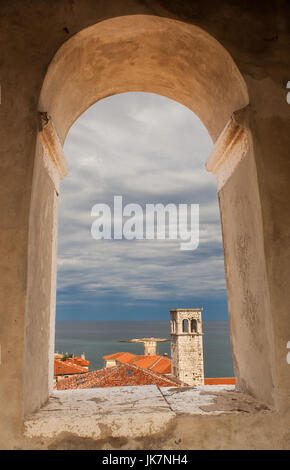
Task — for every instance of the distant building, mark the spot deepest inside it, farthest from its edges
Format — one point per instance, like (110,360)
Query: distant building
(157,363)
(186,345)
(150,344)
(128,374)
(65,368)
(126,369)
(81,361)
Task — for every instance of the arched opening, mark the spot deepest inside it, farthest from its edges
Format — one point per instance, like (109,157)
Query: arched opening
(185,326)
(174,329)
(149,149)
(193,326)
(176,60)
(182,62)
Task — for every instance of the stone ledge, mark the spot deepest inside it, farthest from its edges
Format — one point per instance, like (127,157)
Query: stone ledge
(131,412)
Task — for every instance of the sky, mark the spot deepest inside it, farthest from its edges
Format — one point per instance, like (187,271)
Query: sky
(147,149)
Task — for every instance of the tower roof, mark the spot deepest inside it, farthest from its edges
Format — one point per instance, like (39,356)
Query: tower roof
(186,309)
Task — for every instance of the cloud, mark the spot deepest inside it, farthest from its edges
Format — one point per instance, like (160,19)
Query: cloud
(148,149)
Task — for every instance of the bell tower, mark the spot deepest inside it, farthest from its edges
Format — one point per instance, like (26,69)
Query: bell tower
(186,345)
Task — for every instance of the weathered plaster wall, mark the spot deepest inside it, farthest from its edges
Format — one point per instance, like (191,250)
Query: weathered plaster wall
(248,296)
(258,40)
(40,308)
(109,58)
(271,121)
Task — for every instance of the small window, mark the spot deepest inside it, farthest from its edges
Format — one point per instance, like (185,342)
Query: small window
(193,326)
(173,326)
(185,326)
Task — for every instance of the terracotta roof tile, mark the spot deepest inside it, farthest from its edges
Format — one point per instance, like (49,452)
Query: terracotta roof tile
(80,362)
(121,357)
(163,366)
(113,356)
(126,358)
(67,368)
(118,376)
(147,361)
(157,363)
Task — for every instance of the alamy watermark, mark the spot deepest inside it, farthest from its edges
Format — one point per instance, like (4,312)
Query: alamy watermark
(157,221)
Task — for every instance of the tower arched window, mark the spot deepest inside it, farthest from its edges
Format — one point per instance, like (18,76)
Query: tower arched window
(173,326)
(185,326)
(193,326)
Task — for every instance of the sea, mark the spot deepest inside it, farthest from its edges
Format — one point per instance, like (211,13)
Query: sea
(98,339)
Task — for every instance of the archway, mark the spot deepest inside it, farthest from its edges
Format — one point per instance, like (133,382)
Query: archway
(143,53)
(139,53)
(149,149)
(185,326)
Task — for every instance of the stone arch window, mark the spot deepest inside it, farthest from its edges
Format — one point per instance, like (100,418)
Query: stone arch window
(193,326)
(74,82)
(173,326)
(185,326)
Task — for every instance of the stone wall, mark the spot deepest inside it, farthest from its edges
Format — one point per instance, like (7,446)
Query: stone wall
(150,348)
(187,347)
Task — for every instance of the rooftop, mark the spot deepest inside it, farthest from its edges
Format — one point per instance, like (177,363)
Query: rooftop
(117,376)
(74,365)
(162,365)
(157,363)
(67,368)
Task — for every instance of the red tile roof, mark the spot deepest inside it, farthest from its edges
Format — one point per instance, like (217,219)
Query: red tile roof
(220,381)
(67,368)
(79,361)
(121,357)
(118,376)
(146,362)
(114,356)
(161,364)
(126,358)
